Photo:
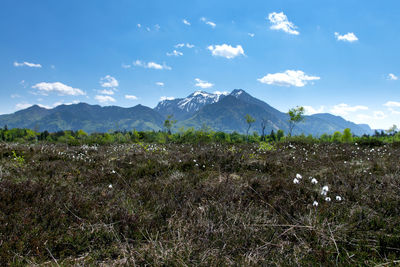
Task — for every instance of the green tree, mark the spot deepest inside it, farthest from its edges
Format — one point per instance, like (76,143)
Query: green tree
(263,126)
(249,120)
(280,134)
(296,115)
(169,123)
(347,137)
(392,131)
(337,137)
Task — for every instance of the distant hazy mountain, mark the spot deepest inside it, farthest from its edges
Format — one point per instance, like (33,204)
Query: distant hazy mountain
(90,118)
(182,108)
(218,111)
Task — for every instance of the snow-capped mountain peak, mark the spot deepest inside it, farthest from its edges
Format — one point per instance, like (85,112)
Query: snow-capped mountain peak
(189,105)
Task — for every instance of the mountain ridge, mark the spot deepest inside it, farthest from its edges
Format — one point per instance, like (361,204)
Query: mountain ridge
(220,112)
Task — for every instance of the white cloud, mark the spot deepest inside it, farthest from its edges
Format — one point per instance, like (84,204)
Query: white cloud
(27,64)
(175,53)
(131,97)
(57,87)
(157,27)
(125,66)
(109,82)
(226,51)
(106,92)
(392,77)
(22,106)
(151,65)
(167,98)
(349,37)
(251,34)
(280,21)
(27,105)
(104,98)
(203,84)
(345,109)
(393,107)
(288,78)
(186,22)
(376,115)
(392,104)
(181,45)
(139,25)
(15,96)
(309,110)
(210,23)
(160,83)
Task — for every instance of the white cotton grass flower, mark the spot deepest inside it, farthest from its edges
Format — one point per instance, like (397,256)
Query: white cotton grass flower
(314,181)
(328,199)
(325,190)
(298,176)
(110,186)
(296,181)
(338,198)
(315,203)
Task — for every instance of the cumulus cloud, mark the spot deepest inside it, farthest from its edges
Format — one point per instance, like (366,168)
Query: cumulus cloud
(376,115)
(139,25)
(280,22)
(22,106)
(251,34)
(309,110)
(104,98)
(175,54)
(108,82)
(349,37)
(167,98)
(160,83)
(106,92)
(393,106)
(288,78)
(345,109)
(181,45)
(27,105)
(203,84)
(57,87)
(184,21)
(151,65)
(131,97)
(210,23)
(125,66)
(392,77)
(226,51)
(27,64)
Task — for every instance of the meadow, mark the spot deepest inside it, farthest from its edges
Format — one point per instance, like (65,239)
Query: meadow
(212,204)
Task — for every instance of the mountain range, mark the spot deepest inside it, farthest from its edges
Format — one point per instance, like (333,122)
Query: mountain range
(219,111)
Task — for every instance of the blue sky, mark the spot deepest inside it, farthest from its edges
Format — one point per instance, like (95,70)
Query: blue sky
(329,56)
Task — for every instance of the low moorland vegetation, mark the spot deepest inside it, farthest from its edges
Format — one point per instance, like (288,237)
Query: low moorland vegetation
(211,204)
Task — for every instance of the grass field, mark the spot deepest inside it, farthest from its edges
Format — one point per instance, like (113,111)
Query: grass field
(209,205)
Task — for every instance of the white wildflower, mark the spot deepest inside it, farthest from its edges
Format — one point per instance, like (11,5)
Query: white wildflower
(328,199)
(314,181)
(315,203)
(325,188)
(338,198)
(298,176)
(295,181)
(110,186)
